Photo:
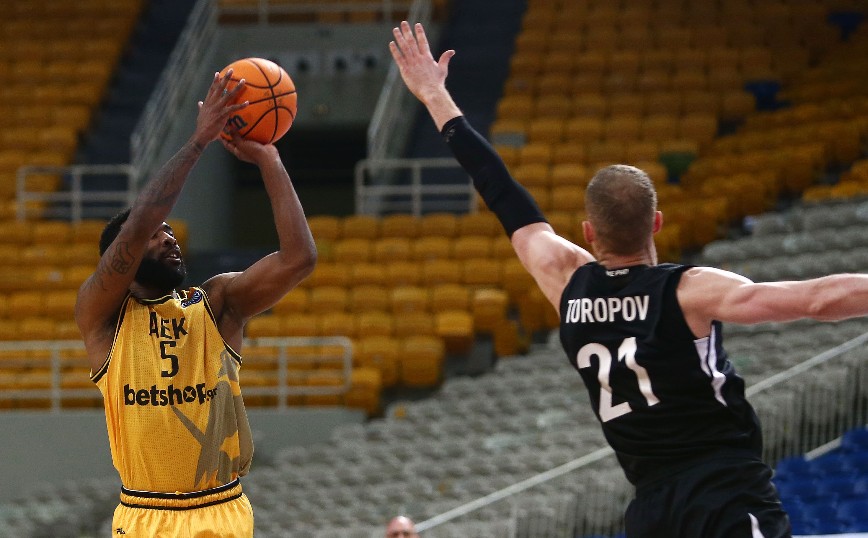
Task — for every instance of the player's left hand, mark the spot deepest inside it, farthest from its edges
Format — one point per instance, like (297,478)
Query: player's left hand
(249,151)
(421,73)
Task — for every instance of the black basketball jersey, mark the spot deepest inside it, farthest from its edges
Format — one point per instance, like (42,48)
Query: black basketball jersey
(663,397)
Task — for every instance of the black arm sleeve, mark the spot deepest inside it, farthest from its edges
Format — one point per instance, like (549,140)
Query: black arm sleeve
(505,197)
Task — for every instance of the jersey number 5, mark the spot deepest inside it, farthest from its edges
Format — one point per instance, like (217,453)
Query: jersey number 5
(626,353)
(165,355)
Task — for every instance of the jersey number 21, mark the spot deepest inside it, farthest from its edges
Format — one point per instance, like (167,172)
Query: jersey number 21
(627,353)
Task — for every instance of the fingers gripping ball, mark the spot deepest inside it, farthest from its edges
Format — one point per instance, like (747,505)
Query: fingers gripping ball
(272,97)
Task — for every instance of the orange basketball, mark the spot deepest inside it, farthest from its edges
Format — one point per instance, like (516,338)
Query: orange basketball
(272,96)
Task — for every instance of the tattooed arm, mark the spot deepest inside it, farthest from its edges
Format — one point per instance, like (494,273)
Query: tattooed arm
(101,295)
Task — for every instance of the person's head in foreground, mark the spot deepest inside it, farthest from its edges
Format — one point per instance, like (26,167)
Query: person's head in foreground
(401,527)
(621,206)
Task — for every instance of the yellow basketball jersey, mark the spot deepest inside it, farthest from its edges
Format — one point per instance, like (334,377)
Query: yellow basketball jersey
(176,420)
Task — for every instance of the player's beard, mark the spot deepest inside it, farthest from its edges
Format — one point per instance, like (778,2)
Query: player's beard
(152,273)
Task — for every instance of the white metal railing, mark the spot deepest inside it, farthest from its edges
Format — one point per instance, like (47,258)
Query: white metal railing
(72,203)
(64,354)
(378,191)
(182,69)
(389,125)
(265,10)
(802,408)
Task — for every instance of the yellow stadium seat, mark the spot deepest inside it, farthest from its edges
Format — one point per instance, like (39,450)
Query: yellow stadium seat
(299,324)
(516,279)
(449,296)
(456,329)
(590,103)
(642,150)
(480,272)
(364,392)
(480,223)
(584,129)
(441,271)
(519,106)
(438,224)
(700,101)
(701,127)
(265,325)
(325,299)
(59,305)
(605,152)
(622,128)
(297,300)
(421,361)
(568,197)
(626,104)
(389,249)
(432,248)
(689,80)
(489,307)
(360,227)
(367,273)
(325,227)
(660,127)
(471,246)
(366,297)
(329,274)
(380,352)
(546,130)
(337,324)
(532,175)
(27,303)
(408,299)
(413,323)
(352,250)
(626,60)
(736,104)
(570,152)
(554,102)
(37,328)
(407,273)
(374,323)
(399,225)
(534,154)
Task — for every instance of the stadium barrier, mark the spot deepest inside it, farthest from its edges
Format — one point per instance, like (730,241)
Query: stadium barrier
(803,408)
(377,193)
(76,202)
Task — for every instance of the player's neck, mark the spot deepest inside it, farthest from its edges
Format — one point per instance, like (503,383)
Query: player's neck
(609,260)
(149,293)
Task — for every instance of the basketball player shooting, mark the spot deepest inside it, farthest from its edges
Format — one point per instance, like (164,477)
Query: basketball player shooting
(645,337)
(167,360)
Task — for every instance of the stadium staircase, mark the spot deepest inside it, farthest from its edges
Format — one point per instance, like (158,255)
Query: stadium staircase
(484,39)
(152,40)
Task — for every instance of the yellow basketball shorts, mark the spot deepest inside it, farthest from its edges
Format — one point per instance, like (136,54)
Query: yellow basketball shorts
(222,512)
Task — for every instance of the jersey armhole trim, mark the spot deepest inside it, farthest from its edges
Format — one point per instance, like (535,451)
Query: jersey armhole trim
(96,376)
(235,355)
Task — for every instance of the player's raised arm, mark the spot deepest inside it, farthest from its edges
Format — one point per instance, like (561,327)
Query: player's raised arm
(236,297)
(707,294)
(550,259)
(101,295)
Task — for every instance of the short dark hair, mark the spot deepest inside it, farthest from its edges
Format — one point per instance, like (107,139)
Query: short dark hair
(112,229)
(621,203)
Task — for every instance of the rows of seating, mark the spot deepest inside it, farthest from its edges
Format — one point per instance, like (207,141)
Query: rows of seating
(55,80)
(828,494)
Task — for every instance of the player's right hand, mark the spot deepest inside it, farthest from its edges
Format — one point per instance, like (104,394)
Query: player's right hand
(217,108)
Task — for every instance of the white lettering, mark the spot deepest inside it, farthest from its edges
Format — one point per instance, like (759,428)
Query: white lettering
(608,309)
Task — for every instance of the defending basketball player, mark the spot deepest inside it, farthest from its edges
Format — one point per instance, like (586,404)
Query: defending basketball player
(645,337)
(167,360)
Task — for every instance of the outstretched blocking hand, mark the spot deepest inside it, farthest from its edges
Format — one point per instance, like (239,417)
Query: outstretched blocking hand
(215,110)
(424,77)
